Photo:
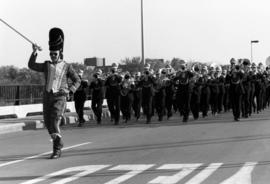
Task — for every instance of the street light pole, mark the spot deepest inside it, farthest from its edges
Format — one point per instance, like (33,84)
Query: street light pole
(142,32)
(251,53)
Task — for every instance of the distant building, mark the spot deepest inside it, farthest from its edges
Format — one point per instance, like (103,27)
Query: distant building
(94,62)
(154,61)
(106,69)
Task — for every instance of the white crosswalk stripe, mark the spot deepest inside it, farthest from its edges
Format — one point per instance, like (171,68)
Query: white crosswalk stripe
(201,176)
(185,169)
(242,176)
(134,170)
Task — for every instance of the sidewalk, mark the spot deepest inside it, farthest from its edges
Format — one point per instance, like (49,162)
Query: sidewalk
(36,122)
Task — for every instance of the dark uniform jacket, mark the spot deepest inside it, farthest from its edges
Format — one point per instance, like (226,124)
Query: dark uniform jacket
(62,80)
(97,89)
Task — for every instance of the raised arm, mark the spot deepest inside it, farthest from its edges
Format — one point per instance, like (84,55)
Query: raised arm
(39,67)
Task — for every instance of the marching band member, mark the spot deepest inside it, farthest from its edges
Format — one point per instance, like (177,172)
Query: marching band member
(169,91)
(97,90)
(196,92)
(160,94)
(221,82)
(214,88)
(184,91)
(246,81)
(80,98)
(126,98)
(236,91)
(205,91)
(57,72)
(259,87)
(147,83)
(267,82)
(112,84)
(226,101)
(253,74)
(137,95)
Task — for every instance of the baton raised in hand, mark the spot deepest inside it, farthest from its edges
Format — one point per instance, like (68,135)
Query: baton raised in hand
(27,39)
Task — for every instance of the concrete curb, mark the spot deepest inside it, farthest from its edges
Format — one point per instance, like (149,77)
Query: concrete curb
(16,125)
(8,128)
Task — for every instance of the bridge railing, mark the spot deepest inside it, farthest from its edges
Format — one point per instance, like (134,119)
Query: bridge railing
(24,94)
(20,94)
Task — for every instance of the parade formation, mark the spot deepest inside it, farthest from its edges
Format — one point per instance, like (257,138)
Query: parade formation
(201,90)
(241,87)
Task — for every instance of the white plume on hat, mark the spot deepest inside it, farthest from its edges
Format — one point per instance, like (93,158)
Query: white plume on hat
(99,72)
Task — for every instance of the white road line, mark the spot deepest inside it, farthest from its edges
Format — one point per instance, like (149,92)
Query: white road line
(134,170)
(185,169)
(42,154)
(200,177)
(243,176)
(83,171)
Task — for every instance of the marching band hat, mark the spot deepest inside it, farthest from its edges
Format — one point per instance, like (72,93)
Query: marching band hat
(147,66)
(232,61)
(168,66)
(127,75)
(138,74)
(218,69)
(246,62)
(183,62)
(205,68)
(80,72)
(99,72)
(212,66)
(240,61)
(196,68)
(114,65)
(56,39)
(164,71)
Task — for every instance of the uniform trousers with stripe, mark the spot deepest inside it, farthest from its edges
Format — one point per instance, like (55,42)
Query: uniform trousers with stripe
(53,110)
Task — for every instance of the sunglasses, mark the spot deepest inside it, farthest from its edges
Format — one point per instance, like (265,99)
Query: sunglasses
(53,53)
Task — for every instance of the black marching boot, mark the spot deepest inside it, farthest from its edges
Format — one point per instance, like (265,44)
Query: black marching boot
(57,146)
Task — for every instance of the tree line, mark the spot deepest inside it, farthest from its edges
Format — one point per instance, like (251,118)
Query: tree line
(12,75)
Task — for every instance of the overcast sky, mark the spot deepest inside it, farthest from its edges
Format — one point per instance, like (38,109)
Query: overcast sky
(204,30)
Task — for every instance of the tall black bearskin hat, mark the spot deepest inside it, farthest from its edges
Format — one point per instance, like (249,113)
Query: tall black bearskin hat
(56,39)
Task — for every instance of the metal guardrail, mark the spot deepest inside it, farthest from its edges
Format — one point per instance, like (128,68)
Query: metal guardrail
(20,94)
(23,94)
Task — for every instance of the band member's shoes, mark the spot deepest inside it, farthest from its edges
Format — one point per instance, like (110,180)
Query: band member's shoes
(148,120)
(57,146)
(80,124)
(56,154)
(185,120)
(236,119)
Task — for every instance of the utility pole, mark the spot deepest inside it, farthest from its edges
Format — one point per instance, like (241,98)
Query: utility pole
(142,33)
(251,52)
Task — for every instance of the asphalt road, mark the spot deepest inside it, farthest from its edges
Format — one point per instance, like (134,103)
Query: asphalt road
(209,151)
